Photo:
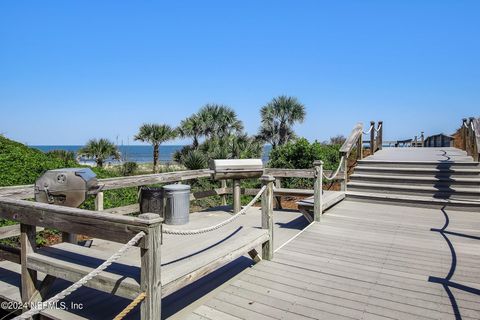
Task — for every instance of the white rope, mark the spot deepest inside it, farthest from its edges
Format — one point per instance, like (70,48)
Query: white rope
(472,125)
(336,172)
(219,225)
(59,296)
(370,129)
(379,127)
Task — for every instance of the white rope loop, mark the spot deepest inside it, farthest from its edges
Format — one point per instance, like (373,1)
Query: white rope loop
(60,296)
(370,129)
(219,225)
(379,127)
(336,172)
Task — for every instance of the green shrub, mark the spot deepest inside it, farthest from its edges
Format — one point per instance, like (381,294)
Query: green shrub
(195,160)
(20,164)
(128,168)
(300,155)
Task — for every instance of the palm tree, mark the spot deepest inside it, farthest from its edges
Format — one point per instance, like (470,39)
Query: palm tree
(193,127)
(218,121)
(278,118)
(155,134)
(99,150)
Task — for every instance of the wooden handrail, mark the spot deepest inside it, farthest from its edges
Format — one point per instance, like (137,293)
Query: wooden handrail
(351,141)
(73,220)
(471,137)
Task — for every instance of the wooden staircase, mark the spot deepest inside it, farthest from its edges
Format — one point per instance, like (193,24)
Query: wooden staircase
(417,182)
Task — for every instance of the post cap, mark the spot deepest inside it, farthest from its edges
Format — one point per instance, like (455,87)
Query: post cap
(471,119)
(150,217)
(318,163)
(380,121)
(372,122)
(464,119)
(267,178)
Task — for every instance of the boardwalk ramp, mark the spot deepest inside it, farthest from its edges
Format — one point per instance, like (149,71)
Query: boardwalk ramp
(405,244)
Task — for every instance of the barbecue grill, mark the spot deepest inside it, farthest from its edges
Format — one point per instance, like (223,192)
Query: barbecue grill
(68,187)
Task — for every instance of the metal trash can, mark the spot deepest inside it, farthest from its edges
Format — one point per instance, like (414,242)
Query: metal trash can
(177,203)
(151,200)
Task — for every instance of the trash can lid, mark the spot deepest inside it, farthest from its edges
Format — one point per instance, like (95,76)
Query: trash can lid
(176,187)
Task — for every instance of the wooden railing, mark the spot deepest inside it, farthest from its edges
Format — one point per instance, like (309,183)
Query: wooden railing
(355,142)
(471,137)
(119,228)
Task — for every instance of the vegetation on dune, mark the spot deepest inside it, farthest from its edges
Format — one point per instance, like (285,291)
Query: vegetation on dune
(68,157)
(99,150)
(20,164)
(156,134)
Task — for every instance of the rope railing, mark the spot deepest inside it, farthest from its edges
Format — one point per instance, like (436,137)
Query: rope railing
(218,225)
(60,296)
(379,127)
(130,306)
(369,130)
(336,172)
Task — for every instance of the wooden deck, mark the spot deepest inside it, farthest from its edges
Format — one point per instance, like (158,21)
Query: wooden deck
(363,261)
(421,154)
(180,255)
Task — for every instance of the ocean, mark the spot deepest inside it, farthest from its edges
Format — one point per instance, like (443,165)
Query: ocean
(137,153)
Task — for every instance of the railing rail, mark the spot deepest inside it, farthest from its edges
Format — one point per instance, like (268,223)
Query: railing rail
(471,137)
(355,142)
(120,228)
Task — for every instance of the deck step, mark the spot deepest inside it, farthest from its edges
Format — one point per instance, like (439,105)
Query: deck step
(420,171)
(417,180)
(420,190)
(419,164)
(414,201)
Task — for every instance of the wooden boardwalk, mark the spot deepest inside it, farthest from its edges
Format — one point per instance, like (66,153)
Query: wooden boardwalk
(363,261)
(180,255)
(404,244)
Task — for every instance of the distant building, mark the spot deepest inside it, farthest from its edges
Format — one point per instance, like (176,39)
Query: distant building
(439,140)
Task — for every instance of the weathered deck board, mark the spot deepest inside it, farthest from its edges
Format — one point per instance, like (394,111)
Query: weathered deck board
(364,261)
(177,253)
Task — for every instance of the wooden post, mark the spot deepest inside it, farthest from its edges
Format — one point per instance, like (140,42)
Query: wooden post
(278,199)
(236,195)
(318,191)
(267,215)
(360,147)
(29,277)
(99,201)
(464,134)
(150,277)
(343,183)
(473,139)
(372,138)
(468,138)
(224,196)
(422,139)
(415,141)
(380,135)
(69,237)
(473,151)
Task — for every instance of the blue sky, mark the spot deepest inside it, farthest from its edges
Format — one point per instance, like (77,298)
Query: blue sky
(73,70)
